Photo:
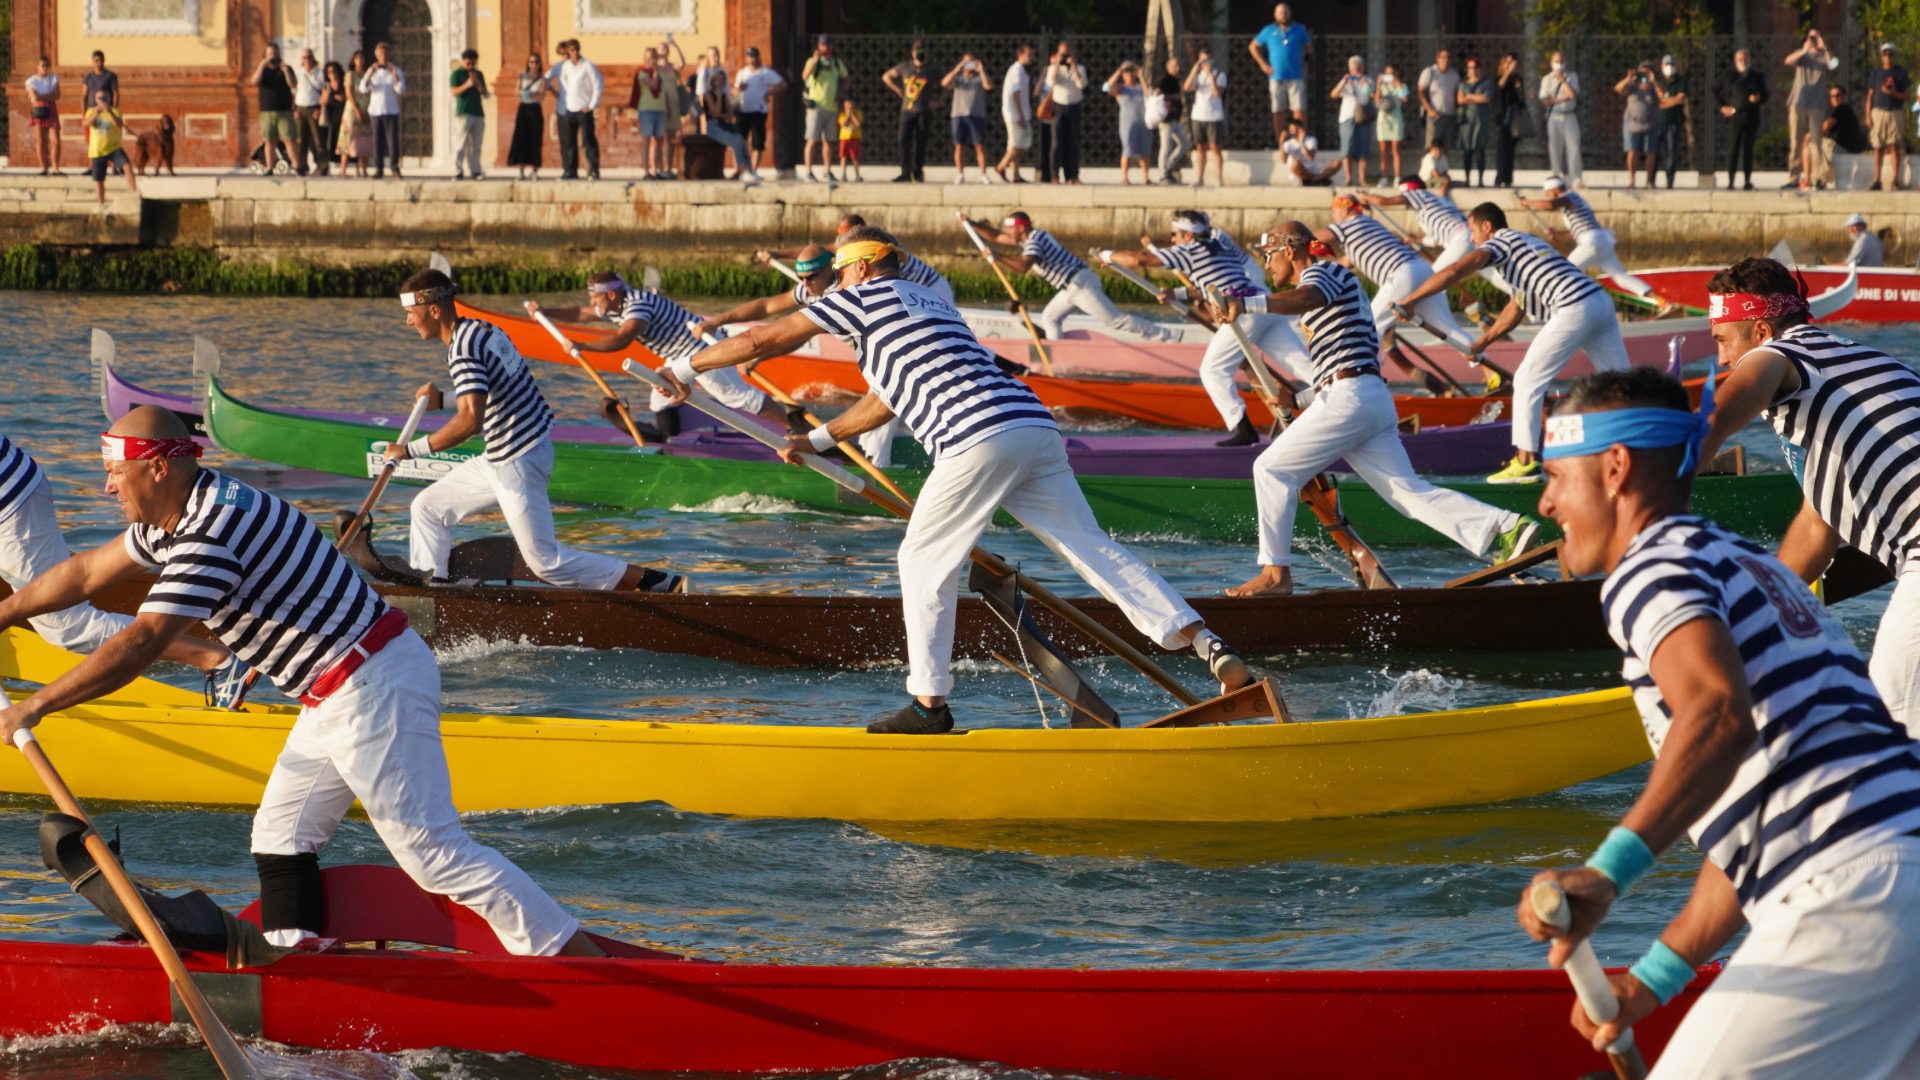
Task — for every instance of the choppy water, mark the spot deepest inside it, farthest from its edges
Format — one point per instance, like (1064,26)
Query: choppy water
(1420,890)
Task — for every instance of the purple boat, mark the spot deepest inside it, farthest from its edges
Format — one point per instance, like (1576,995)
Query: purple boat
(1449,451)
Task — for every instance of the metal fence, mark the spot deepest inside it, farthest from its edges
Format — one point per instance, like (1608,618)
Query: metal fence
(1598,61)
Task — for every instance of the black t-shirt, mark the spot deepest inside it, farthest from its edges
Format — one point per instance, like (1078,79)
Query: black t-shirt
(1169,87)
(1846,133)
(276,94)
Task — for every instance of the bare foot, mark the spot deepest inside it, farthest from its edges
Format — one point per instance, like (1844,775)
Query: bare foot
(1270,581)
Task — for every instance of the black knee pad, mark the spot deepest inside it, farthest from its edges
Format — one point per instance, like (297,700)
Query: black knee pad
(291,897)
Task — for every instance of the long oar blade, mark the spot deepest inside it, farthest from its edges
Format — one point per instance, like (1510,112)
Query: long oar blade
(1001,592)
(1589,981)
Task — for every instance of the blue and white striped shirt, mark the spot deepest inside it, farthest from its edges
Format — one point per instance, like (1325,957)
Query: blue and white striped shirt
(918,272)
(18,475)
(1340,335)
(1539,277)
(1051,262)
(483,360)
(1578,215)
(1210,264)
(1439,218)
(1372,248)
(260,576)
(666,334)
(1830,774)
(923,361)
(1857,416)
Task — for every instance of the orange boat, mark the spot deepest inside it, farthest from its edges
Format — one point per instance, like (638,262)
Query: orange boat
(826,370)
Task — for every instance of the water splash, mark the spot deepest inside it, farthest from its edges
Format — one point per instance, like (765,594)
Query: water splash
(745,503)
(1421,690)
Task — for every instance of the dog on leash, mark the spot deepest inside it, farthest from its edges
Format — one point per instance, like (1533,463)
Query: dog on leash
(155,146)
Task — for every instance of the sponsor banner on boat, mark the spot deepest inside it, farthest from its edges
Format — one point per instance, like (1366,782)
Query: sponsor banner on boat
(421,470)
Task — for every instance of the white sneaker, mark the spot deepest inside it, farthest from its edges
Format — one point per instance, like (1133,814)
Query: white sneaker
(960,179)
(983,178)
(751,179)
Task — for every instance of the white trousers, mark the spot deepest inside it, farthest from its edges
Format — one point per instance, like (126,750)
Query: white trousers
(1824,985)
(1594,251)
(1270,334)
(727,386)
(1025,471)
(1433,309)
(519,489)
(877,444)
(1455,250)
(1354,418)
(31,545)
(1895,664)
(1588,325)
(377,739)
(1083,293)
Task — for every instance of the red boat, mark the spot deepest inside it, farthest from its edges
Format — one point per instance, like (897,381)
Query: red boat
(1883,295)
(653,1011)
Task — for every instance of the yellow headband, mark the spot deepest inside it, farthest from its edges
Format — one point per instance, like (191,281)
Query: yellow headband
(861,251)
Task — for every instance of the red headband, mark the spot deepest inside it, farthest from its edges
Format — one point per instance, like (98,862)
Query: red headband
(134,448)
(1319,250)
(1741,307)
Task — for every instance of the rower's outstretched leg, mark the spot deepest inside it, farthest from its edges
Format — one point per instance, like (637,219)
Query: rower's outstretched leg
(467,489)
(1314,440)
(1895,663)
(1381,460)
(1217,369)
(1083,291)
(520,487)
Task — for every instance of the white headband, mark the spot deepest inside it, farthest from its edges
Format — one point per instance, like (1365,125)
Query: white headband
(426,296)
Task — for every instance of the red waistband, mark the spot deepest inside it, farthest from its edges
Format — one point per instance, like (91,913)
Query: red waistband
(378,636)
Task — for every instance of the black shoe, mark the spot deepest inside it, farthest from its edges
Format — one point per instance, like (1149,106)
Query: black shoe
(903,178)
(797,423)
(1243,435)
(915,719)
(1749,186)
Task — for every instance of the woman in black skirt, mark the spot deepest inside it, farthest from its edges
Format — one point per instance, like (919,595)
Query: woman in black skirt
(529,124)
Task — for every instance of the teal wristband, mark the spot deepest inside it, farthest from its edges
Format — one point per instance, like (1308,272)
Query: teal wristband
(1624,858)
(1662,972)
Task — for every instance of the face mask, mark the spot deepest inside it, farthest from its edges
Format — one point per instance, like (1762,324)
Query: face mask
(1740,66)
(1558,66)
(1667,70)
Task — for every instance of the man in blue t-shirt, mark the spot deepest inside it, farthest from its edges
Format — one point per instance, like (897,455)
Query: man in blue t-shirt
(1281,49)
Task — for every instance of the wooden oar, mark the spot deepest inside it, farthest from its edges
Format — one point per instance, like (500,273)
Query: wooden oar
(792,274)
(1538,221)
(379,483)
(1501,376)
(233,1061)
(1590,983)
(626,418)
(1078,619)
(1019,305)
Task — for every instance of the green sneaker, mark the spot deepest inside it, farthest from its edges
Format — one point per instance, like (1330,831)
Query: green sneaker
(1517,472)
(1516,540)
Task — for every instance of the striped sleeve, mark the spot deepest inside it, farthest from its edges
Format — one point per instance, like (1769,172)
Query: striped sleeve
(1654,599)
(137,548)
(465,364)
(835,313)
(199,577)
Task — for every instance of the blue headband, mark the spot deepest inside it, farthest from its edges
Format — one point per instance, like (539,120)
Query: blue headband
(1583,434)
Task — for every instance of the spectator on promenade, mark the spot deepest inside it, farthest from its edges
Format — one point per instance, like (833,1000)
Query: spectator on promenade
(1354,92)
(1740,97)
(383,84)
(1671,86)
(309,124)
(1560,97)
(1389,126)
(1476,123)
(43,113)
(1065,85)
(723,127)
(1434,165)
(1130,94)
(711,72)
(1891,89)
(1440,99)
(1840,130)
(333,109)
(755,83)
(1176,145)
(968,83)
(649,104)
(356,124)
(1513,119)
(98,79)
(1807,100)
(275,82)
(105,133)
(1016,112)
(1208,85)
(577,86)
(909,81)
(1300,151)
(853,125)
(469,89)
(820,81)
(1282,49)
(529,120)
(1638,117)
(1867,249)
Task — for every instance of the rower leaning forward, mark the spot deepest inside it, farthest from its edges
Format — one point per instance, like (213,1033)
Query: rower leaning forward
(1076,286)
(1352,416)
(1573,309)
(257,573)
(1772,752)
(1593,243)
(912,267)
(1848,417)
(994,446)
(495,395)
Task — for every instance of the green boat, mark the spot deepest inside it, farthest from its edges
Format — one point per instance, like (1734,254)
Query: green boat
(716,466)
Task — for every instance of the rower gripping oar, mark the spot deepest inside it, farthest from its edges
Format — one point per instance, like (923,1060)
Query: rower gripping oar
(1080,620)
(1019,305)
(233,1061)
(386,475)
(626,418)
(1590,983)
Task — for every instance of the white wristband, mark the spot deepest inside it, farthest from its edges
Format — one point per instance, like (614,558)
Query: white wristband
(821,439)
(1256,304)
(1180,293)
(22,737)
(421,447)
(1106,255)
(682,369)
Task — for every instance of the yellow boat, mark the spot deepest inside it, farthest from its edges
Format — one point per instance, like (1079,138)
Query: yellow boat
(157,743)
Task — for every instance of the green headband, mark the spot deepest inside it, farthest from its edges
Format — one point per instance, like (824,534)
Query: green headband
(814,265)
